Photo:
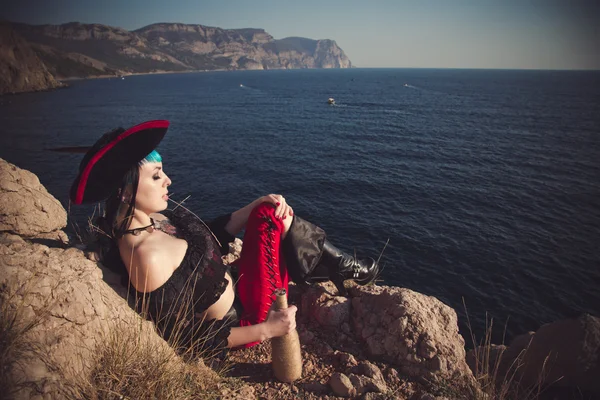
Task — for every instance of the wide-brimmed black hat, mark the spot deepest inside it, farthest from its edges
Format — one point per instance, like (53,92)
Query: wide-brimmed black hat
(108,160)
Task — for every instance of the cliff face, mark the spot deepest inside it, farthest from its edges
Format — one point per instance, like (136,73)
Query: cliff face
(20,68)
(80,50)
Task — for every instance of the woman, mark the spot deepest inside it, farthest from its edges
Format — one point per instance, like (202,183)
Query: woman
(173,260)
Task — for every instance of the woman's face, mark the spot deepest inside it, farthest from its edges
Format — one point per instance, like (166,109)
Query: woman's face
(152,194)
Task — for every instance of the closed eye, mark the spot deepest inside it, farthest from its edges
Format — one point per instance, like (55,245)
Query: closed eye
(157,176)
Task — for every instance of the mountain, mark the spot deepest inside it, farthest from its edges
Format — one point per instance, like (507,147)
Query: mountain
(20,68)
(84,50)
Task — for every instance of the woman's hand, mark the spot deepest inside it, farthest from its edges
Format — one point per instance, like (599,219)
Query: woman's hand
(283,209)
(280,322)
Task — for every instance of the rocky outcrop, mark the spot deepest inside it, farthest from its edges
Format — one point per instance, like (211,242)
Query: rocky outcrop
(76,49)
(414,333)
(26,207)
(563,353)
(21,70)
(329,55)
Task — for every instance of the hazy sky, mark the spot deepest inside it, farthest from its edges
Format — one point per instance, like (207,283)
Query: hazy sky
(545,34)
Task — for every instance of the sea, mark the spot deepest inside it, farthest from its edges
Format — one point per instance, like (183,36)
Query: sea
(478,187)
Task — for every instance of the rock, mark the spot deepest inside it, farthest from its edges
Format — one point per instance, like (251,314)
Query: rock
(363,384)
(326,310)
(72,309)
(315,387)
(380,396)
(563,354)
(324,348)
(371,370)
(416,333)
(26,207)
(341,385)
(306,336)
(235,250)
(347,359)
(243,393)
(392,376)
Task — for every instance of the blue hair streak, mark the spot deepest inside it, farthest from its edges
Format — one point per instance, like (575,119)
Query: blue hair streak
(153,157)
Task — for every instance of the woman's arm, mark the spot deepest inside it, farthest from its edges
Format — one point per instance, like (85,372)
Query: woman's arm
(278,323)
(240,217)
(242,335)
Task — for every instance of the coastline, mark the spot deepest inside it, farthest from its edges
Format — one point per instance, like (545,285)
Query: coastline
(108,76)
(126,74)
(163,72)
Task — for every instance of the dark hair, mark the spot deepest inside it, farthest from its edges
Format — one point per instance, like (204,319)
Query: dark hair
(109,231)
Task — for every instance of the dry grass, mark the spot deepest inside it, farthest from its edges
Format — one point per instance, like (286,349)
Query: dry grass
(17,345)
(129,364)
(499,377)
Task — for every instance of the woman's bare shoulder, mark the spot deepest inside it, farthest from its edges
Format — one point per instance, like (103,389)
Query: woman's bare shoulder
(154,257)
(160,248)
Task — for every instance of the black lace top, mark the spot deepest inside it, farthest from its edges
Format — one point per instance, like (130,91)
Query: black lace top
(195,285)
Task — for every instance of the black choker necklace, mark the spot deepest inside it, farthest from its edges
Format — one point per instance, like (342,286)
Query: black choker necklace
(137,231)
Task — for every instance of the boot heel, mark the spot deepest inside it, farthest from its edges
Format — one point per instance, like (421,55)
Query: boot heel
(339,266)
(338,281)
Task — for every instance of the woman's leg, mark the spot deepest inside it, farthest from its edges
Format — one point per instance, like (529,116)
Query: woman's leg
(312,258)
(261,266)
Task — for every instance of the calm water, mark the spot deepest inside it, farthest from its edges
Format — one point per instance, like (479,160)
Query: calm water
(486,183)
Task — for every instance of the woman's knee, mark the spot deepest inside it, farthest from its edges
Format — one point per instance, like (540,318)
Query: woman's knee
(264,209)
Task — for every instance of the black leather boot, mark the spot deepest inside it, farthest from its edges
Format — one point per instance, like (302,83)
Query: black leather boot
(337,266)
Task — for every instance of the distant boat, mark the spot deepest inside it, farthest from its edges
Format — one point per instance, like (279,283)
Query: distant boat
(331,101)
